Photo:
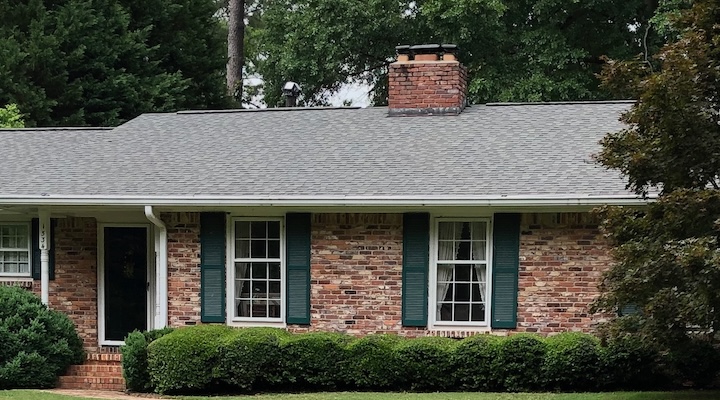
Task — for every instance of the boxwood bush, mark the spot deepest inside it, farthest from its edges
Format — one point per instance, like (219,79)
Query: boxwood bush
(249,359)
(187,360)
(36,344)
(134,358)
(476,363)
(372,364)
(314,360)
(520,360)
(572,362)
(426,363)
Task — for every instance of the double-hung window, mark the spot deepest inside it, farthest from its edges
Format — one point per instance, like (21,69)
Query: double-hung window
(14,249)
(258,274)
(461,272)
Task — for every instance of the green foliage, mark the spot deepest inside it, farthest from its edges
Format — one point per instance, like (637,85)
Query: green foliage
(187,359)
(102,62)
(520,50)
(249,358)
(10,117)
(371,363)
(695,362)
(311,360)
(134,358)
(476,363)
(520,360)
(426,363)
(572,362)
(631,362)
(36,344)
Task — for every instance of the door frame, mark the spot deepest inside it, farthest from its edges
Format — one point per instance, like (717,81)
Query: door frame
(150,278)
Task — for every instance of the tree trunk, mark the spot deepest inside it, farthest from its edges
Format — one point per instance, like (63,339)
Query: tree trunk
(236,45)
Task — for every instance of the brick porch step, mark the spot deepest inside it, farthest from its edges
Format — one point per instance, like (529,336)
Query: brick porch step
(101,371)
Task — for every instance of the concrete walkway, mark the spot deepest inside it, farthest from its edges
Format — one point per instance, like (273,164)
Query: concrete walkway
(104,394)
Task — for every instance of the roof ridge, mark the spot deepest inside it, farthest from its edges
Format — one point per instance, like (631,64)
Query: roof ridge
(549,103)
(251,110)
(59,128)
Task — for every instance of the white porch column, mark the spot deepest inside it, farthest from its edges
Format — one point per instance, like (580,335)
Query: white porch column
(44,241)
(161,284)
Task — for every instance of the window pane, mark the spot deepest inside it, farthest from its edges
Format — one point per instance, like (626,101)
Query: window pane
(477,312)
(258,229)
(242,229)
(462,312)
(242,288)
(259,289)
(259,270)
(445,312)
(24,268)
(242,249)
(243,308)
(274,310)
(463,250)
(462,292)
(274,270)
(274,229)
(479,230)
(462,273)
(242,270)
(258,249)
(273,249)
(446,230)
(274,290)
(259,308)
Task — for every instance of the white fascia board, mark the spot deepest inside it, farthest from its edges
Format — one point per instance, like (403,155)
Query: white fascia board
(328,201)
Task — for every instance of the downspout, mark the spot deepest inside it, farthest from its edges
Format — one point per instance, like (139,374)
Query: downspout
(44,244)
(161,278)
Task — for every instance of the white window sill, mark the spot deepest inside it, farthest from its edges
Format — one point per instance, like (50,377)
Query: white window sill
(16,278)
(244,323)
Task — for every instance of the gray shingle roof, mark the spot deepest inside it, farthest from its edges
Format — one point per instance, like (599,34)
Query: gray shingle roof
(488,150)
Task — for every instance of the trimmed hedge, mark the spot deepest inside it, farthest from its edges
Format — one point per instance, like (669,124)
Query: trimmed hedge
(134,358)
(36,344)
(214,358)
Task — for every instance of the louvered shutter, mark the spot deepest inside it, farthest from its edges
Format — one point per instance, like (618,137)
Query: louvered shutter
(297,245)
(416,257)
(506,264)
(212,267)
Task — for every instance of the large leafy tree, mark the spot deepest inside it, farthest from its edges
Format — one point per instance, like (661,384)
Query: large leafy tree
(668,255)
(101,62)
(10,117)
(516,50)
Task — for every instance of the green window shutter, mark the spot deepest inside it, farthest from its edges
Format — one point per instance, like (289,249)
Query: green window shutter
(416,259)
(35,241)
(506,264)
(297,244)
(212,267)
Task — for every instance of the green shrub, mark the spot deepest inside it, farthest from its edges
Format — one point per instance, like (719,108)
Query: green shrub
(312,360)
(695,362)
(426,363)
(371,363)
(520,360)
(572,362)
(249,359)
(631,363)
(187,359)
(36,344)
(134,358)
(476,363)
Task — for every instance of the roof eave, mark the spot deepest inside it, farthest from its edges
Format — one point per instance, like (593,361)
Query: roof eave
(329,201)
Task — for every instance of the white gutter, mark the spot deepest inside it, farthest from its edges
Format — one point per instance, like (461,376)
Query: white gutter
(44,244)
(329,201)
(161,277)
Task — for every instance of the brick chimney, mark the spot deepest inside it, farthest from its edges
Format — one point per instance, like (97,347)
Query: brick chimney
(427,80)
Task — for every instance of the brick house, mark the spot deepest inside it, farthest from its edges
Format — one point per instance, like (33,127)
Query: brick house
(427,217)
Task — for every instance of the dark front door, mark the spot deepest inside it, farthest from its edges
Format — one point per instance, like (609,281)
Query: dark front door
(126,281)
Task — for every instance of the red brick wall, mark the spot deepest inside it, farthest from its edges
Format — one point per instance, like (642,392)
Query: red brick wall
(183,231)
(427,85)
(562,258)
(74,290)
(356,274)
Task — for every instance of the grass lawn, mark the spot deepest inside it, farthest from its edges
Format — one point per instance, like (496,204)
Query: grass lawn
(695,395)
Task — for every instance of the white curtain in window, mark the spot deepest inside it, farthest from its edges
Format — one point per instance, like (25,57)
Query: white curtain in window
(481,269)
(447,250)
(240,271)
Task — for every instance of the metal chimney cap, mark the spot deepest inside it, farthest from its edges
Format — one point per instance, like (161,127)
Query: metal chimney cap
(291,89)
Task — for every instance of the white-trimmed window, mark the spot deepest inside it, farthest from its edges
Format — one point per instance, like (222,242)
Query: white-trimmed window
(14,249)
(258,272)
(461,271)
